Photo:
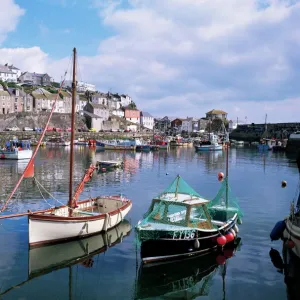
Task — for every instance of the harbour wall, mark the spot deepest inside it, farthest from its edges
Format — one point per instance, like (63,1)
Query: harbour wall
(25,135)
(254,132)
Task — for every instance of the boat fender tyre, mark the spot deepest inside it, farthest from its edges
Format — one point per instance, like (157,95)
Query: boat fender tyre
(197,244)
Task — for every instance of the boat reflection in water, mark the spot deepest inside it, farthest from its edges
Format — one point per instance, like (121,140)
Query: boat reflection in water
(45,259)
(289,265)
(182,279)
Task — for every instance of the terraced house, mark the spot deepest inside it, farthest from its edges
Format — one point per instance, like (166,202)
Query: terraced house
(43,100)
(6,104)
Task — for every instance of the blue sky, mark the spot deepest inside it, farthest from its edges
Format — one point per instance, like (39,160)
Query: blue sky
(57,26)
(174,57)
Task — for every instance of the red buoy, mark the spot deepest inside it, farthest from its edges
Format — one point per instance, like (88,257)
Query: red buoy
(2,155)
(228,253)
(220,175)
(229,237)
(220,179)
(290,244)
(221,240)
(221,260)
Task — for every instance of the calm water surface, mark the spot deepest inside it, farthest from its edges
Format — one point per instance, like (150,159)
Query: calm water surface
(115,274)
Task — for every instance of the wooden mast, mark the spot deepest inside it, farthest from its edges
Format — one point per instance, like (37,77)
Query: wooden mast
(70,203)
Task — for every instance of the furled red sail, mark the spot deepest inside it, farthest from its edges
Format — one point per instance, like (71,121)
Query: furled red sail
(87,176)
(29,171)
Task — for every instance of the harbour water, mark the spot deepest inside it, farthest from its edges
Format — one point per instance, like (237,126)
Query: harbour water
(255,178)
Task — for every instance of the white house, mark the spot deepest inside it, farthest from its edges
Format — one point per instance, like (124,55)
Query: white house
(190,125)
(125,100)
(14,70)
(118,112)
(81,86)
(7,75)
(99,98)
(147,120)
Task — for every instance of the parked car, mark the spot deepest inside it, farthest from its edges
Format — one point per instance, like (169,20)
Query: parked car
(82,130)
(15,128)
(49,128)
(92,130)
(38,129)
(69,129)
(28,129)
(57,129)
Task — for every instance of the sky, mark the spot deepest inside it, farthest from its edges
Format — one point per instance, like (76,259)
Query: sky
(173,57)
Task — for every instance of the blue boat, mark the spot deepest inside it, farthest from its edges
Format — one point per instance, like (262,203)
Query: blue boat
(145,148)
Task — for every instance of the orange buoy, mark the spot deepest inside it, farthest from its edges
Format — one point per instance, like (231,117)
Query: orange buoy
(220,175)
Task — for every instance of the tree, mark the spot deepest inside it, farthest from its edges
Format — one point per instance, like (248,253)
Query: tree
(214,125)
(132,105)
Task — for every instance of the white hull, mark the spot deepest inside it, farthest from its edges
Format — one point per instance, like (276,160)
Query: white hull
(46,258)
(56,227)
(21,154)
(293,232)
(209,148)
(52,144)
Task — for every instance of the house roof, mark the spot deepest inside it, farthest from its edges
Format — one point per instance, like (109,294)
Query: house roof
(91,114)
(4,93)
(5,69)
(145,114)
(216,112)
(11,67)
(65,94)
(95,105)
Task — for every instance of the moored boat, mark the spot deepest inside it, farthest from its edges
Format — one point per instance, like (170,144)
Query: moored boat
(57,142)
(211,146)
(109,164)
(180,223)
(16,154)
(289,228)
(77,219)
(117,144)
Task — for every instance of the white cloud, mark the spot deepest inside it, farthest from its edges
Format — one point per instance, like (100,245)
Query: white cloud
(185,57)
(10,14)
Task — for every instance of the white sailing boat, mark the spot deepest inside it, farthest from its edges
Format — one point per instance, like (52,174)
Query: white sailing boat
(76,219)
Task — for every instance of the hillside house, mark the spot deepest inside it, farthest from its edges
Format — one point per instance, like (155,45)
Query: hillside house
(216,113)
(6,103)
(147,120)
(132,115)
(17,99)
(81,86)
(43,101)
(96,114)
(35,79)
(14,70)
(125,100)
(66,103)
(6,75)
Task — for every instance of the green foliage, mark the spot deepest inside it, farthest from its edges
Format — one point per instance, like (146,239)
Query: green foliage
(51,90)
(132,105)
(56,85)
(12,85)
(215,125)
